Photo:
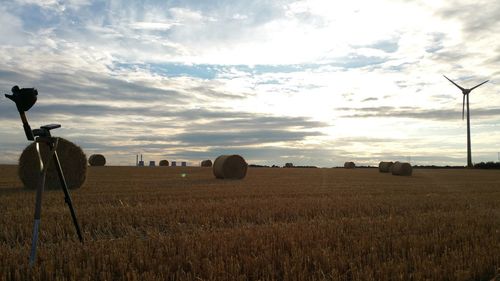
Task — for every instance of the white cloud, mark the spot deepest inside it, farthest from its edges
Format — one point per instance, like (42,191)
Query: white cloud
(12,32)
(188,16)
(304,58)
(42,3)
(56,5)
(153,25)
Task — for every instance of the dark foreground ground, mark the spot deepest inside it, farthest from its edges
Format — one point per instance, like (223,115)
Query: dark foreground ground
(276,224)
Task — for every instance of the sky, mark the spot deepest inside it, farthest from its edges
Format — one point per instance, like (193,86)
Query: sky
(308,82)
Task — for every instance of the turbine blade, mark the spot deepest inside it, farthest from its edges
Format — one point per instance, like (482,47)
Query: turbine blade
(478,85)
(454,83)
(463,108)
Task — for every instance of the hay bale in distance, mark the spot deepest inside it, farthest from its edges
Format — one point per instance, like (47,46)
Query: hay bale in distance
(385,167)
(206,163)
(401,169)
(288,165)
(97,160)
(73,163)
(349,165)
(163,163)
(230,167)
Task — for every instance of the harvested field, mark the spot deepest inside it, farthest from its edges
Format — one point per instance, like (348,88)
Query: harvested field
(276,224)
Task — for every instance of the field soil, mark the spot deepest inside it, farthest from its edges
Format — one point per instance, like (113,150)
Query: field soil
(180,223)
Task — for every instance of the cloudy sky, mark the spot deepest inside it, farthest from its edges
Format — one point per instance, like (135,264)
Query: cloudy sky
(309,82)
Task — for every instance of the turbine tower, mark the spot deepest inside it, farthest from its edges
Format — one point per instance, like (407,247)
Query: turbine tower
(466,93)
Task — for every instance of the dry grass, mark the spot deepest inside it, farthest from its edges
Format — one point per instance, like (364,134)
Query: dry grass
(230,167)
(97,160)
(276,224)
(206,163)
(349,165)
(72,158)
(385,167)
(401,169)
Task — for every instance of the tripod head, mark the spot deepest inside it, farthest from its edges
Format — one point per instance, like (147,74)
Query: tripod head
(25,98)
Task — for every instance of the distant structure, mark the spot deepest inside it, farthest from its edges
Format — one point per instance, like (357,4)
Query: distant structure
(183,164)
(140,163)
(466,93)
(152,163)
(174,164)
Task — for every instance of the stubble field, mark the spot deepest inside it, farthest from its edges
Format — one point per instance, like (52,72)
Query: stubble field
(276,224)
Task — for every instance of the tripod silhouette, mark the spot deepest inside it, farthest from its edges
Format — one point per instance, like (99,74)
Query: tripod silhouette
(25,98)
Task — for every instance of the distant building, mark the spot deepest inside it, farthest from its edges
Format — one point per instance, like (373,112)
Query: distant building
(183,164)
(152,163)
(137,162)
(174,164)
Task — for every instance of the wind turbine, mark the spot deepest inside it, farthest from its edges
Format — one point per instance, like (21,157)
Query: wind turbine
(466,93)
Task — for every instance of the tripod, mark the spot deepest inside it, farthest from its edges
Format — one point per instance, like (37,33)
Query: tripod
(25,98)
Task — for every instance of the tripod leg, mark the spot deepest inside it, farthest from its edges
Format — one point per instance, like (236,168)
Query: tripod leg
(38,207)
(67,197)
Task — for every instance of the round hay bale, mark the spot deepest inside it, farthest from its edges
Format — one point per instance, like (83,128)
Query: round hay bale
(349,165)
(206,163)
(73,163)
(163,163)
(97,160)
(230,167)
(385,167)
(401,169)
